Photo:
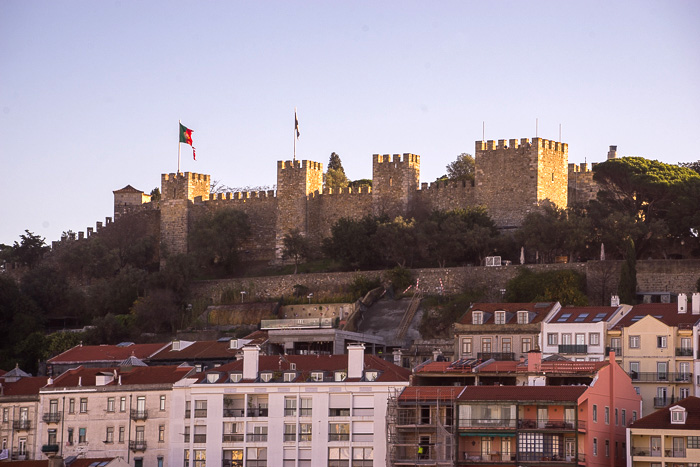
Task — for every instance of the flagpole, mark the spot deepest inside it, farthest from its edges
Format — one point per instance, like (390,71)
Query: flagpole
(179,122)
(294,133)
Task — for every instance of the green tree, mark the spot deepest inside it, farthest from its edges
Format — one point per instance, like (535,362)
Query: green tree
(351,242)
(158,312)
(627,289)
(462,168)
(397,241)
(566,287)
(216,239)
(335,175)
(296,246)
(363,182)
(691,165)
(554,232)
(30,250)
(155,195)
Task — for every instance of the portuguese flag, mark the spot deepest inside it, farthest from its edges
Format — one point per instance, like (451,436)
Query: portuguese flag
(186,137)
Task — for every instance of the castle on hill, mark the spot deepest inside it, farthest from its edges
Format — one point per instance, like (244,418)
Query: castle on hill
(512,178)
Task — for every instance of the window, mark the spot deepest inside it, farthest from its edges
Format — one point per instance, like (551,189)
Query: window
(527,344)
(316,376)
(5,415)
(684,392)
(607,448)
(70,437)
(466,346)
(200,458)
(607,415)
(22,450)
(82,435)
(257,457)
(200,409)
(186,458)
(339,405)
(523,317)
(500,317)
(634,416)
(289,376)
(634,342)
(362,431)
(486,344)
(634,370)
(341,375)
(506,346)
(109,435)
(236,377)
(595,446)
(678,416)
(693,442)
(304,432)
(122,404)
(305,408)
(362,457)
(110,404)
(595,413)
(162,403)
(662,371)
(83,404)
(552,338)
(200,434)
(616,416)
(371,375)
(290,432)
(186,435)
(161,433)
(52,436)
(661,342)
(71,405)
(265,377)
(290,406)
(477,317)
(594,338)
(121,434)
(338,457)
(338,432)
(624,417)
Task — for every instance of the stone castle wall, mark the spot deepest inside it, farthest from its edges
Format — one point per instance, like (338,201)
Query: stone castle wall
(580,184)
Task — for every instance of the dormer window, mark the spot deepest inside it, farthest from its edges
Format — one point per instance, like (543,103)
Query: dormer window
(523,317)
(233,344)
(371,375)
(341,375)
(289,376)
(176,345)
(500,317)
(266,377)
(316,376)
(477,317)
(212,377)
(292,366)
(236,377)
(678,414)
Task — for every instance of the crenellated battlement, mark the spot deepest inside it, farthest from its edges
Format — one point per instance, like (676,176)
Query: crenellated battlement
(491,145)
(310,165)
(405,158)
(186,176)
(238,195)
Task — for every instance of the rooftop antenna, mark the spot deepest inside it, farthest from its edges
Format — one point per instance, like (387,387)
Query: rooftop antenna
(483,131)
(560,132)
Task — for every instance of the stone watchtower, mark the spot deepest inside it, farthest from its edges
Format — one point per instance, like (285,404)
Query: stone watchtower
(296,180)
(178,191)
(395,181)
(515,178)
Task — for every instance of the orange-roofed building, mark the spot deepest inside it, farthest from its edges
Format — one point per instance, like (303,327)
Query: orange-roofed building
(99,356)
(19,414)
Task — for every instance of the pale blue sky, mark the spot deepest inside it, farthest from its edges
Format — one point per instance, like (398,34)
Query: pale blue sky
(91,91)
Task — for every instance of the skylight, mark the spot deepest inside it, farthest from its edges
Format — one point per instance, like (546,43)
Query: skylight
(637,318)
(599,317)
(581,318)
(563,318)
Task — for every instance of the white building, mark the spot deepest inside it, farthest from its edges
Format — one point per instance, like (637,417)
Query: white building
(294,410)
(579,333)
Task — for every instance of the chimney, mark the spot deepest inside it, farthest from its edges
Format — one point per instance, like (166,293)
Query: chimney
(612,153)
(356,360)
(695,303)
(682,303)
(534,361)
(397,357)
(251,354)
(436,354)
(233,344)
(615,300)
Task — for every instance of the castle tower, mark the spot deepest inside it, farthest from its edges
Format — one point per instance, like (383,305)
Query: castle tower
(512,179)
(395,181)
(128,199)
(295,181)
(178,191)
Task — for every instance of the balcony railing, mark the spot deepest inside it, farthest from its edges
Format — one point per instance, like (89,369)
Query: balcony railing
(290,437)
(232,437)
(617,350)
(546,424)
(200,413)
(137,414)
(49,448)
(259,412)
(138,445)
(665,401)
(493,456)
(256,437)
(51,417)
(573,348)
(338,436)
(645,451)
(200,438)
(480,423)
(684,352)
(499,356)
(21,424)
(234,413)
(655,376)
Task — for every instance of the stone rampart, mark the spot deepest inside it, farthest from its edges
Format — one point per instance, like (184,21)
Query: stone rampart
(580,184)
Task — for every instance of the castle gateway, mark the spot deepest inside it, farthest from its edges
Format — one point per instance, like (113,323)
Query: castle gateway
(512,178)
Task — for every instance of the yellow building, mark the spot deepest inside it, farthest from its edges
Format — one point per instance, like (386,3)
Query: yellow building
(667,437)
(654,343)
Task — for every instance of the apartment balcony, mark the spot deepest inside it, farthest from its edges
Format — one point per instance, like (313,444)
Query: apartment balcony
(655,376)
(49,449)
(232,438)
(256,437)
(52,417)
(660,402)
(199,438)
(21,425)
(489,423)
(259,412)
(200,413)
(573,348)
(617,350)
(546,424)
(499,356)
(493,456)
(684,352)
(138,445)
(139,414)
(234,413)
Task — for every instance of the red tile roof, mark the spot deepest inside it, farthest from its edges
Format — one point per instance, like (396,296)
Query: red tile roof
(661,419)
(105,353)
(430,393)
(135,375)
(198,350)
(667,313)
(590,311)
(24,386)
(540,310)
(522,393)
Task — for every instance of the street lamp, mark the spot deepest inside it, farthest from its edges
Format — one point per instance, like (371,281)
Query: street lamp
(310,296)
(243,292)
